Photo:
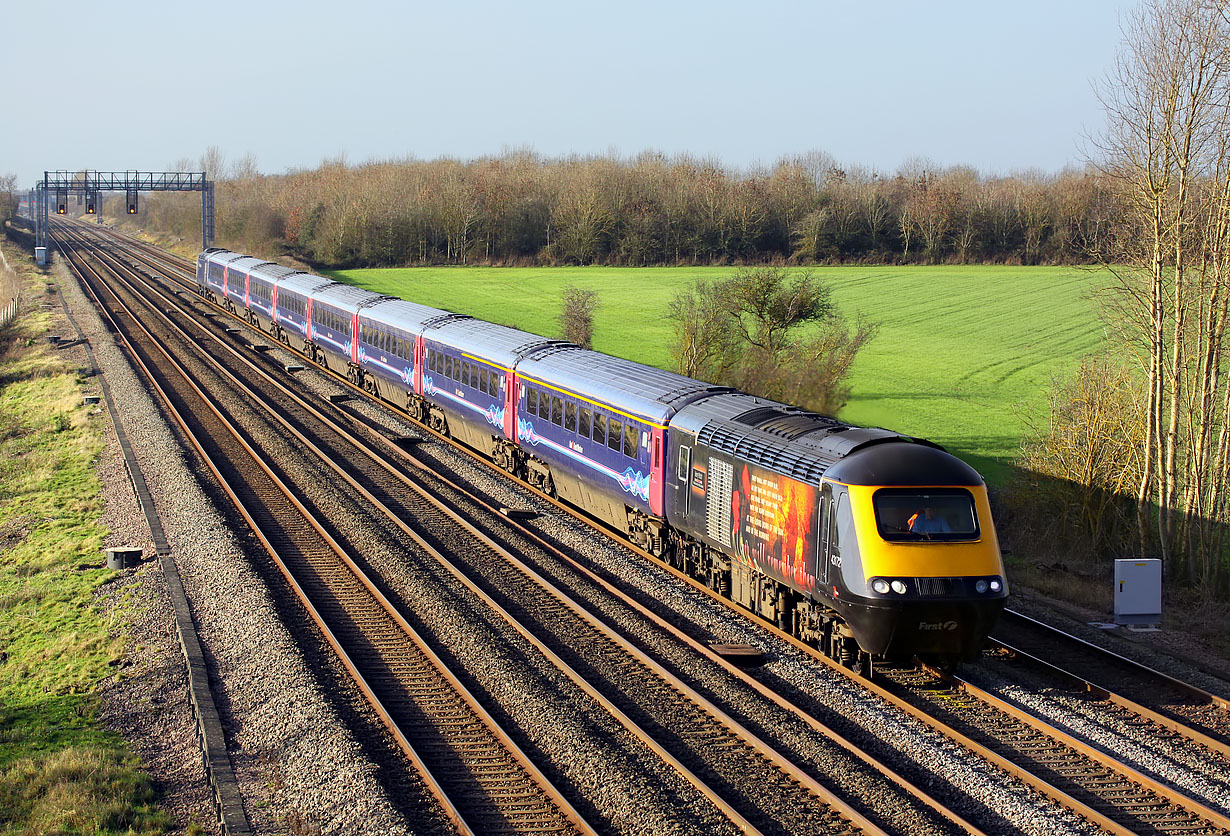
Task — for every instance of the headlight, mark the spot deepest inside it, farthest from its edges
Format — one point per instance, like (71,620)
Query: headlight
(899,587)
(996,586)
(880,585)
(981,586)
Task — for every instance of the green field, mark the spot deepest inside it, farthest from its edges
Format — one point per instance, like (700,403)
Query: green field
(962,355)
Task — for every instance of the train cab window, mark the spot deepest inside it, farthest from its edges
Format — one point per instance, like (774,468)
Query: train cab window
(632,437)
(615,432)
(583,423)
(557,411)
(912,514)
(570,416)
(599,428)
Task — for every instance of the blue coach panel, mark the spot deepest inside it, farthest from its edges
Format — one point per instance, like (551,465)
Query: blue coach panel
(466,368)
(291,307)
(203,260)
(333,319)
(237,271)
(600,422)
(215,272)
(261,281)
(389,332)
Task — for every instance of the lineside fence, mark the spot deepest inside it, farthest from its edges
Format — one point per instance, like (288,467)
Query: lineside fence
(10,292)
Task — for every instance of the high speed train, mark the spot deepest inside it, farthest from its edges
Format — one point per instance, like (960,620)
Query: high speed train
(870,544)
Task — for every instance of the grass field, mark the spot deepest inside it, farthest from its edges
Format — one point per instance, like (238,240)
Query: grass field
(962,355)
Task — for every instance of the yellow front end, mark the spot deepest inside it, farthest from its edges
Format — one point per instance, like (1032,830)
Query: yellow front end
(883,558)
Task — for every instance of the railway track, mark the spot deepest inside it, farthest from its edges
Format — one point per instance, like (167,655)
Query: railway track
(1114,797)
(715,744)
(479,777)
(1169,703)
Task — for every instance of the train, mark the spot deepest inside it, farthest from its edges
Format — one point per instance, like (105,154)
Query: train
(871,545)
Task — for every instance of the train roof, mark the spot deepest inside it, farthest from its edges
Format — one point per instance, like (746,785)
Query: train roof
(244,263)
(222,256)
(345,297)
(631,387)
(273,273)
(497,344)
(807,445)
(406,316)
(304,284)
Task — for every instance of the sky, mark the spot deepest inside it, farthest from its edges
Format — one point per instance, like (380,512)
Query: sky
(1002,87)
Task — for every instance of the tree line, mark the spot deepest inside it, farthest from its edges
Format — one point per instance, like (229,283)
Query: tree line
(523,209)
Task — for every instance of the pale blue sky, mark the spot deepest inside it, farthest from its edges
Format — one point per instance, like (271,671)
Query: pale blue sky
(122,85)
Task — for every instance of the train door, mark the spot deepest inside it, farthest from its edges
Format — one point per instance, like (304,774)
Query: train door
(827,551)
(683,477)
(510,405)
(657,477)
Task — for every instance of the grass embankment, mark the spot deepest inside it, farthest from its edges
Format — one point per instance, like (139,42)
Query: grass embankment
(60,772)
(963,354)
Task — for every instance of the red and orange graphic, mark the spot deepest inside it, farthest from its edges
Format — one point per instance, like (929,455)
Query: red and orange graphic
(774,520)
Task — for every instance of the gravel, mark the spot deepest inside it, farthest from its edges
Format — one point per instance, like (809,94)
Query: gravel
(299,763)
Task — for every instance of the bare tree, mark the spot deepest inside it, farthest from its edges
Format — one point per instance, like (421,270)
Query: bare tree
(577,316)
(8,196)
(213,163)
(1166,147)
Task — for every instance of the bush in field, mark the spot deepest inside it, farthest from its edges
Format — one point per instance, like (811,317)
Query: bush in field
(742,332)
(577,316)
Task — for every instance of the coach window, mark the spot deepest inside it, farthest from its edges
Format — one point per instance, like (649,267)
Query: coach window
(615,432)
(544,406)
(557,411)
(599,428)
(484,379)
(631,437)
(466,368)
(531,401)
(583,423)
(570,416)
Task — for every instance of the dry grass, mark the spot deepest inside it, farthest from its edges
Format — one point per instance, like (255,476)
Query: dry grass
(60,770)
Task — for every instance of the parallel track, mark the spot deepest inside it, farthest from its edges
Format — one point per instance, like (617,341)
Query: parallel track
(480,778)
(716,744)
(1115,797)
